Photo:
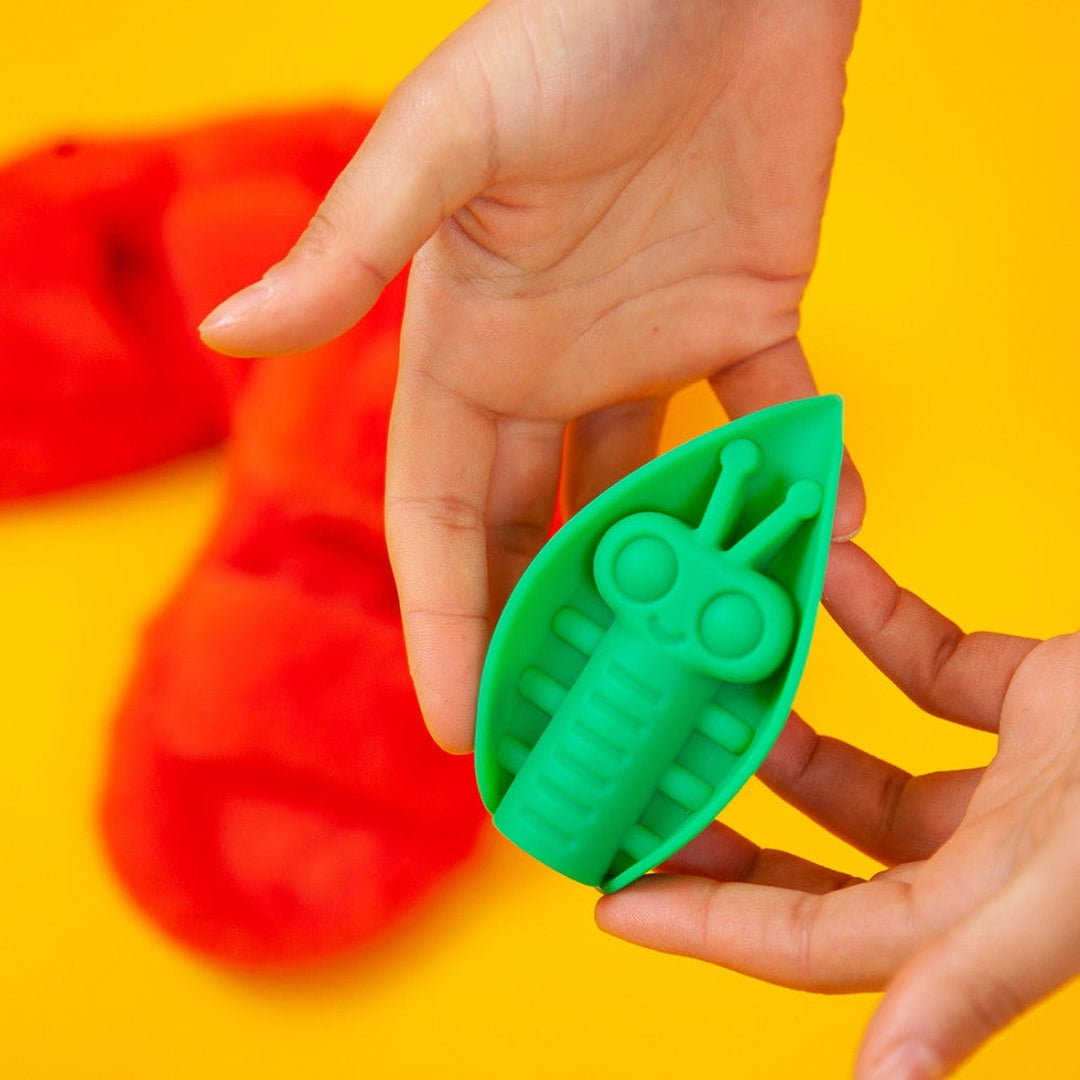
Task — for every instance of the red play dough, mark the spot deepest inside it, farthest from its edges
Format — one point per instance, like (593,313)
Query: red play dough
(111,252)
(272,795)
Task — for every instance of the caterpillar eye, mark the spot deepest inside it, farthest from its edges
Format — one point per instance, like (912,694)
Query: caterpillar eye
(732,625)
(645,569)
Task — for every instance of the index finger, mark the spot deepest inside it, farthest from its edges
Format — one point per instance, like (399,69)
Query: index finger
(953,675)
(439,462)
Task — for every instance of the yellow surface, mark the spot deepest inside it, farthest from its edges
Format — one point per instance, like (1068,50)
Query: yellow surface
(943,310)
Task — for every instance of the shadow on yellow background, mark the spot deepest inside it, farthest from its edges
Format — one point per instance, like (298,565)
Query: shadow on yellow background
(942,310)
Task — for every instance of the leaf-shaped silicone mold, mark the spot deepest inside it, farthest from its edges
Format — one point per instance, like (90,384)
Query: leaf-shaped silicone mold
(649,656)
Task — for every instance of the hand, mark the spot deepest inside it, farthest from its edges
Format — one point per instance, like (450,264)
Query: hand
(976,917)
(604,201)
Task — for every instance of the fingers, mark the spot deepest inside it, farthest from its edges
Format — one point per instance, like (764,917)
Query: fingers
(951,674)
(850,939)
(604,446)
(882,810)
(781,373)
(440,459)
(722,854)
(469,501)
(521,500)
(424,158)
(970,982)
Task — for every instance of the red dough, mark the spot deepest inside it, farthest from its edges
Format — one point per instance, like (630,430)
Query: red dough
(272,794)
(111,252)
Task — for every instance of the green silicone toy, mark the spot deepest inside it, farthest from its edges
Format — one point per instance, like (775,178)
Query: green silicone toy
(649,656)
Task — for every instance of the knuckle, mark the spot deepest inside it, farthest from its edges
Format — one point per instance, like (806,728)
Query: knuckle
(322,235)
(444,512)
(334,233)
(712,923)
(890,807)
(993,1000)
(804,940)
(520,539)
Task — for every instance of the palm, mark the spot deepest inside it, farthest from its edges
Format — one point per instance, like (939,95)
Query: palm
(653,192)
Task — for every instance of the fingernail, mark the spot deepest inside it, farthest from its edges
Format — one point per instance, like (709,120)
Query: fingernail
(239,306)
(909,1061)
(847,536)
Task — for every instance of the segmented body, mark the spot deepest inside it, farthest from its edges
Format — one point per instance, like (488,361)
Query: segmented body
(614,739)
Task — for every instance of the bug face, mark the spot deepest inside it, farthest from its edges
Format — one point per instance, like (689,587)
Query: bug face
(683,590)
(689,600)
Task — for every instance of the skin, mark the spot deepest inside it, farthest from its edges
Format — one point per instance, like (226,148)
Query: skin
(975,917)
(603,201)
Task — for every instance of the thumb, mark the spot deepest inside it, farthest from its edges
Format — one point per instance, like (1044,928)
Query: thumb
(969,983)
(425,157)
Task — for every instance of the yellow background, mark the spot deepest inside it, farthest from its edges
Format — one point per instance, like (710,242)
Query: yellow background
(943,310)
